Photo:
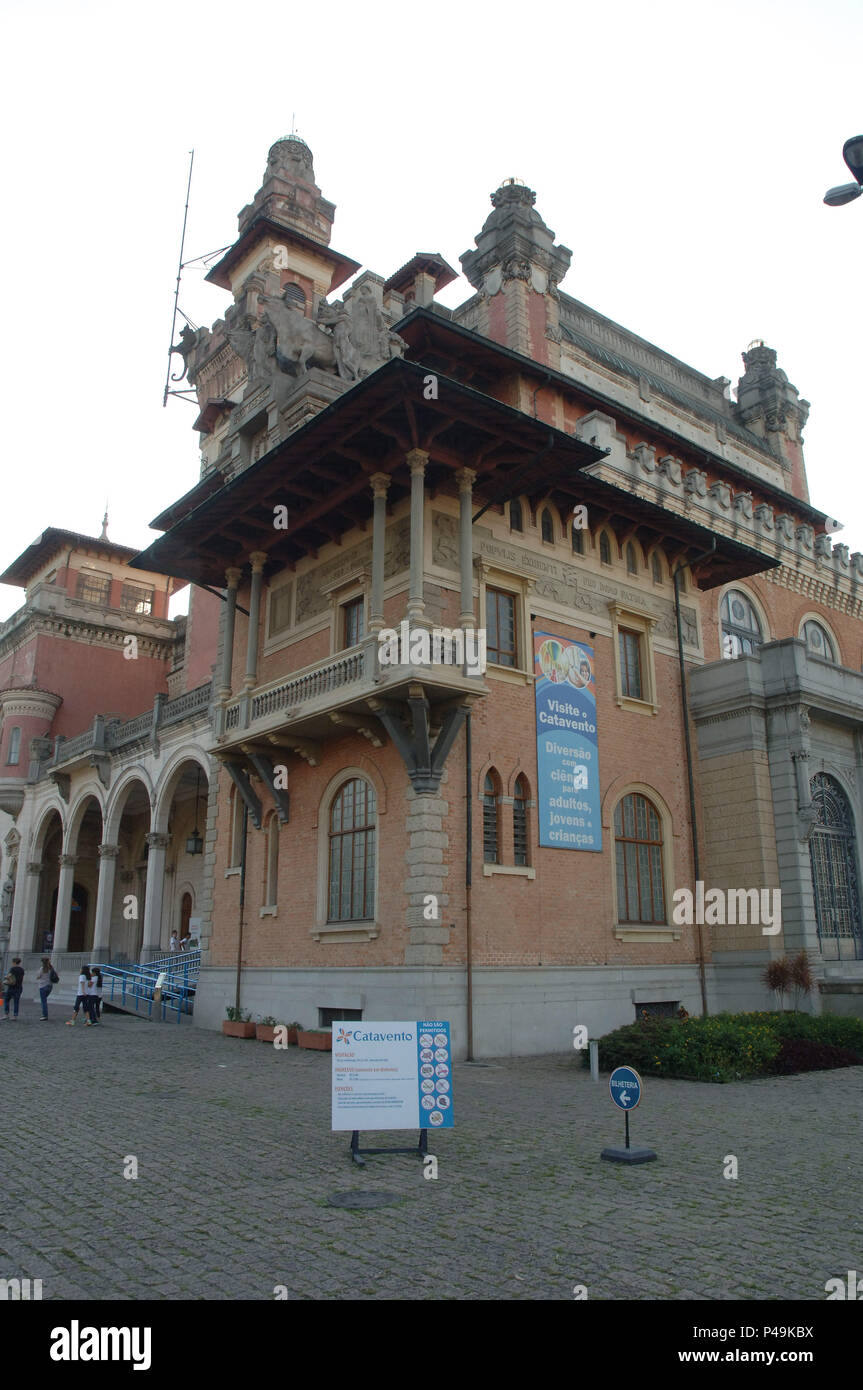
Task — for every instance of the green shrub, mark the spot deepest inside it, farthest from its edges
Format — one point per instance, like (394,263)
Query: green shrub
(722,1047)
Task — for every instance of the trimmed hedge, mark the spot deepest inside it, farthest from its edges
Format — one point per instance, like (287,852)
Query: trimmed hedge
(729,1047)
(802,1054)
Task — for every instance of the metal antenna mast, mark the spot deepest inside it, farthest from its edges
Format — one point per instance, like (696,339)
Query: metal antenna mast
(177,290)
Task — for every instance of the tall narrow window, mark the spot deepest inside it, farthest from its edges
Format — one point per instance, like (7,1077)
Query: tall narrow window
(741,629)
(519,822)
(236,847)
(656,567)
(631,562)
(500,627)
(14,752)
(353,851)
(631,683)
(638,861)
(604,549)
(834,872)
(515,521)
(547,525)
(577,541)
(490,827)
(272,883)
(353,622)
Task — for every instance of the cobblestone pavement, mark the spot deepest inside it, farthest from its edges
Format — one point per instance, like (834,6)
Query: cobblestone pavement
(237,1161)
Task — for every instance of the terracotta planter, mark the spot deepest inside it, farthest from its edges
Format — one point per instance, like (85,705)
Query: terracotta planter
(266,1032)
(322,1042)
(238,1030)
(292,1037)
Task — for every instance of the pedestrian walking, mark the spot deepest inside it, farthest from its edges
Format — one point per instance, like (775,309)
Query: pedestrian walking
(173,944)
(96,995)
(12,987)
(81,997)
(46,979)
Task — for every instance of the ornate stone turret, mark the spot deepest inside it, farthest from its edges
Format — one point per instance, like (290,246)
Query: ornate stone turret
(516,269)
(771,407)
(289,194)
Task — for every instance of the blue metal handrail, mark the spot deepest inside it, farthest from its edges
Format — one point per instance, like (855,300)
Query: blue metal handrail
(136,986)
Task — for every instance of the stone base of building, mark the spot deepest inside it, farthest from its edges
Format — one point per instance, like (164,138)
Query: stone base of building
(516,1011)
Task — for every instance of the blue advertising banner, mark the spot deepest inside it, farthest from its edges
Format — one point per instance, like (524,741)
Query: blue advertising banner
(567,747)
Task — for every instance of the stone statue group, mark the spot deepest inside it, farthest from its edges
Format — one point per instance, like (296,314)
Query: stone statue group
(350,341)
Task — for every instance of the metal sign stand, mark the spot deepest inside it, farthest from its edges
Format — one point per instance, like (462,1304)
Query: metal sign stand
(356,1152)
(629,1078)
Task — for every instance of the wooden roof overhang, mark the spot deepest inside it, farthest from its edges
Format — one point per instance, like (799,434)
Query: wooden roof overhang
(447,347)
(716,558)
(342,267)
(321,472)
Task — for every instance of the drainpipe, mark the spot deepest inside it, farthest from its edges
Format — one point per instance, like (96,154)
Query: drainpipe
(242,903)
(696,854)
(468,879)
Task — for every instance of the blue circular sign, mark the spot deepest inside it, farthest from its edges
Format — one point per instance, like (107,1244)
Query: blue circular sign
(625,1087)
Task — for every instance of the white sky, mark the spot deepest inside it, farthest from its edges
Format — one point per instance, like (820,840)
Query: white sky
(680,150)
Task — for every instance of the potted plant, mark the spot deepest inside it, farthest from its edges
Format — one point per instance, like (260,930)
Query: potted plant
(319,1038)
(238,1024)
(265,1030)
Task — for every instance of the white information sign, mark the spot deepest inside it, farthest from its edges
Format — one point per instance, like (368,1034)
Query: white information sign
(392,1075)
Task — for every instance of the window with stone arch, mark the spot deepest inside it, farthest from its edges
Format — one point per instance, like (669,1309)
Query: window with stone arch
(741,625)
(352,852)
(818,641)
(547,526)
(577,540)
(631,561)
(520,798)
(515,518)
(833,863)
(491,817)
(656,567)
(604,548)
(638,849)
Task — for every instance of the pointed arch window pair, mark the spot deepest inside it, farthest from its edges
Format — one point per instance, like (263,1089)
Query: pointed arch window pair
(491,820)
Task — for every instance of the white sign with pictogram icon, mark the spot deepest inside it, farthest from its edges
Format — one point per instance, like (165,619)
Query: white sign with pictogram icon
(392,1075)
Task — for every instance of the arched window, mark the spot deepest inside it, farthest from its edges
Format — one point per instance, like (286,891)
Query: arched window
(295,296)
(656,567)
(519,822)
(271,884)
(631,562)
(604,549)
(818,641)
(515,521)
(14,752)
(490,819)
(741,628)
(638,860)
(353,852)
(547,525)
(833,861)
(577,540)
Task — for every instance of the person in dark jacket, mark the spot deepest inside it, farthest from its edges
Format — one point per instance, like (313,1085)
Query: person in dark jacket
(13,986)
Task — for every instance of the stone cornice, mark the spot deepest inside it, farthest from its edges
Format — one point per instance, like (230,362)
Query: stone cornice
(47,624)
